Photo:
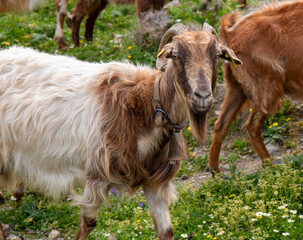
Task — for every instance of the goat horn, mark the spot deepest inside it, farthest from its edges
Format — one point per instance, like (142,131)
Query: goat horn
(210,29)
(176,29)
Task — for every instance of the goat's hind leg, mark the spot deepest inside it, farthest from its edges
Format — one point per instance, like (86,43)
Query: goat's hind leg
(232,104)
(90,21)
(254,127)
(158,203)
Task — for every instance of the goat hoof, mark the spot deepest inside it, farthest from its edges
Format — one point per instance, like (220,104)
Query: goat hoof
(61,42)
(2,198)
(212,170)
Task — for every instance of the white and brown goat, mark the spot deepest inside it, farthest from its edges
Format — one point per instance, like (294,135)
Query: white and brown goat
(270,44)
(65,122)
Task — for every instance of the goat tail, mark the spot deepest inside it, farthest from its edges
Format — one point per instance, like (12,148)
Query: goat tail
(18,5)
(228,21)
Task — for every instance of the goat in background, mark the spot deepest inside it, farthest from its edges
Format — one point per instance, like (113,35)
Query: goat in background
(66,123)
(270,44)
(91,8)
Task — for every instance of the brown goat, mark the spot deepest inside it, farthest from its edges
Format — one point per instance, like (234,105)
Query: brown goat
(92,9)
(269,42)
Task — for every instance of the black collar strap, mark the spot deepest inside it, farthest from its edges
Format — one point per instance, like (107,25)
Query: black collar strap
(161,117)
(177,146)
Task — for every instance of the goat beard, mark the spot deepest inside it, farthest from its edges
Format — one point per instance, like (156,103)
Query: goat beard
(198,124)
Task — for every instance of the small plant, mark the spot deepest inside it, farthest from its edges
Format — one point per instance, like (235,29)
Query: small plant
(276,127)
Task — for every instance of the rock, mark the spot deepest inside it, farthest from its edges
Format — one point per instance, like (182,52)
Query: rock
(13,237)
(272,148)
(5,227)
(118,38)
(54,234)
(175,3)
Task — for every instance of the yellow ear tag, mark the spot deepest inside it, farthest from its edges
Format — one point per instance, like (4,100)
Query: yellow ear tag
(232,60)
(160,53)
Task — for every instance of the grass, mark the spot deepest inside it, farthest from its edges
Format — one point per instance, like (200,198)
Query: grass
(263,205)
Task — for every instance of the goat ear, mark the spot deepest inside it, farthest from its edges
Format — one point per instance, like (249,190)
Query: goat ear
(229,55)
(163,56)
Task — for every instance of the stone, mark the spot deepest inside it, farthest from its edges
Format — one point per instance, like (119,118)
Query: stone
(54,234)
(272,148)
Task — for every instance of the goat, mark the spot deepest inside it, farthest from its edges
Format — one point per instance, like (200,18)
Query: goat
(75,17)
(93,9)
(66,123)
(269,42)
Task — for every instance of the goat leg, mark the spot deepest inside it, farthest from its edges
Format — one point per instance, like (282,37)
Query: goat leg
(61,6)
(19,192)
(89,213)
(2,198)
(2,233)
(90,21)
(233,101)
(254,127)
(74,22)
(158,207)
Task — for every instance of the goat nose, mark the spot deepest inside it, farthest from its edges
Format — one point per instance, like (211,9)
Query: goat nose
(200,95)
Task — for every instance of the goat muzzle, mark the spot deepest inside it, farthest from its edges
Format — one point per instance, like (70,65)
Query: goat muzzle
(201,101)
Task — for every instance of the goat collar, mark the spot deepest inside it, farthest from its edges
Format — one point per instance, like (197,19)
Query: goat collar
(161,117)
(177,144)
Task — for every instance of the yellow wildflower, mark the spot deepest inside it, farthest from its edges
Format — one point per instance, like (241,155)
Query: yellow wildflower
(6,43)
(138,220)
(275,124)
(270,126)
(130,47)
(250,109)
(208,236)
(129,56)
(288,119)
(189,128)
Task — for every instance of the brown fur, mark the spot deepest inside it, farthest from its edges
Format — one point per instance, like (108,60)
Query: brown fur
(269,42)
(92,9)
(2,233)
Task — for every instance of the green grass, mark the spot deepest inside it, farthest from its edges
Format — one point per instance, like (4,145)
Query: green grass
(221,208)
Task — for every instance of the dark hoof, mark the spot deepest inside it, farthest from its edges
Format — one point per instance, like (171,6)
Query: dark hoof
(212,170)
(2,198)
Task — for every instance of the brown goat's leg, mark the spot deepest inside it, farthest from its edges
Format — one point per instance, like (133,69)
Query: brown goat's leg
(158,205)
(90,21)
(232,104)
(19,192)
(254,127)
(143,6)
(74,20)
(2,233)
(158,4)
(61,6)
